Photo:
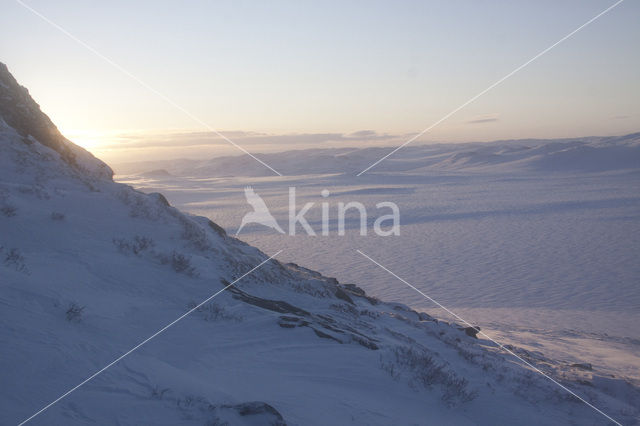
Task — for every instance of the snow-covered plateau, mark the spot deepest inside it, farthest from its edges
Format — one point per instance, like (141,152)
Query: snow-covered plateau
(91,270)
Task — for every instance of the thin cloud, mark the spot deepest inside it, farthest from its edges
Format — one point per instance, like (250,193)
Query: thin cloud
(193,139)
(366,134)
(487,118)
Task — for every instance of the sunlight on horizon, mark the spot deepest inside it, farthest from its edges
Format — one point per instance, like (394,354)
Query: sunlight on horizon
(87,139)
(303,70)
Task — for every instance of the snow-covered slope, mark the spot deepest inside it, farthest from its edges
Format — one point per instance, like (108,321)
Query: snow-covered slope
(90,268)
(20,112)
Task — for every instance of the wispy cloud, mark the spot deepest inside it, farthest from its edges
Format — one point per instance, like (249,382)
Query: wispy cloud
(199,139)
(485,118)
(125,145)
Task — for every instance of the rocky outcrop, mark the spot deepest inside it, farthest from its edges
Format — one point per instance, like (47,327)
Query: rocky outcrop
(19,111)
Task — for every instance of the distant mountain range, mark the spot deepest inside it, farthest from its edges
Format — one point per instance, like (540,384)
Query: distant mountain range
(591,154)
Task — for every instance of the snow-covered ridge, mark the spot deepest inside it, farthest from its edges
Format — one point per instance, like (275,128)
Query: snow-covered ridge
(89,268)
(21,113)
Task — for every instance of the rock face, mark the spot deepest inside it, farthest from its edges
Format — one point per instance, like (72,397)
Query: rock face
(472,331)
(23,114)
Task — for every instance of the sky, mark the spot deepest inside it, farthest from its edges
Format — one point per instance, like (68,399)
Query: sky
(280,75)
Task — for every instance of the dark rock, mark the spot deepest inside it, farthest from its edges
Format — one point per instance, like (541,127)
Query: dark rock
(471,331)
(292,322)
(425,317)
(352,288)
(303,269)
(267,414)
(342,295)
(298,317)
(583,366)
(287,325)
(290,319)
(272,305)
(365,342)
(217,228)
(325,335)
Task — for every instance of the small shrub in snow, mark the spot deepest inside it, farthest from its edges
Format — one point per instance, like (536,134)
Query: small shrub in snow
(455,390)
(194,234)
(422,369)
(157,393)
(13,259)
(309,288)
(140,205)
(213,312)
(136,246)
(345,309)
(8,211)
(36,190)
(74,312)
(178,261)
(182,264)
(57,216)
(370,314)
(141,244)
(121,244)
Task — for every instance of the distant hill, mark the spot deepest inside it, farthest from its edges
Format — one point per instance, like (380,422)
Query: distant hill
(590,154)
(158,173)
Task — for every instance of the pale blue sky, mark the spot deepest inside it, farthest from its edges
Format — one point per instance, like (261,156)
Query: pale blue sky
(307,67)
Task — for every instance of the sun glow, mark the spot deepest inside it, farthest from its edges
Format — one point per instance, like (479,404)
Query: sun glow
(87,139)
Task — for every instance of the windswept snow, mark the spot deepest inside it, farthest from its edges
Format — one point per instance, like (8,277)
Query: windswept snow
(539,249)
(90,268)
